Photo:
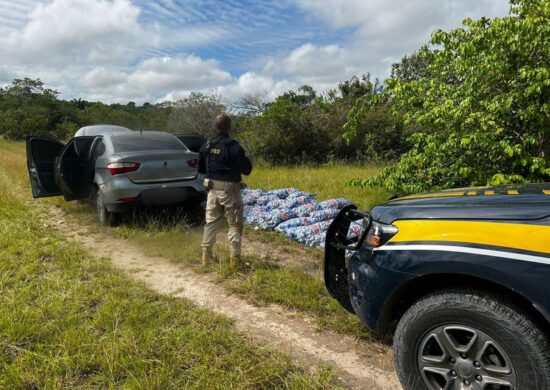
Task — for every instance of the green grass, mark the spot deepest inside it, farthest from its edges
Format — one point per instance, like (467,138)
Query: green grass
(300,292)
(262,281)
(327,181)
(68,320)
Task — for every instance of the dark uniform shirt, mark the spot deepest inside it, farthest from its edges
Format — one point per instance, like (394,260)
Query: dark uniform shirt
(223,158)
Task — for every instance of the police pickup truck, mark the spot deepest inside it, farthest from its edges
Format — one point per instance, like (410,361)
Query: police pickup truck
(462,277)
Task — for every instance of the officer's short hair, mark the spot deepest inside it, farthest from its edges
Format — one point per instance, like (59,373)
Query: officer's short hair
(223,122)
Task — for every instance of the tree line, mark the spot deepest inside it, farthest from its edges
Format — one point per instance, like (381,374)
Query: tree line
(472,107)
(299,127)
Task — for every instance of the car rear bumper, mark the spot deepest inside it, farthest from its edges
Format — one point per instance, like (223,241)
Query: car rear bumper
(121,194)
(159,198)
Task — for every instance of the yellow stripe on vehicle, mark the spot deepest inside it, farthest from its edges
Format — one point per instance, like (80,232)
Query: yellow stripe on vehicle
(547,192)
(513,192)
(509,235)
(438,195)
(471,193)
(489,193)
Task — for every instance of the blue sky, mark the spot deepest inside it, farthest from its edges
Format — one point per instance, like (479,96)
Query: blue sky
(122,50)
(241,32)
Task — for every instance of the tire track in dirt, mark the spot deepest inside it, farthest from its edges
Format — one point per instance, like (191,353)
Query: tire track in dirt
(358,365)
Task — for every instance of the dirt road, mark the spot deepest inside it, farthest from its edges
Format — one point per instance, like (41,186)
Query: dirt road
(357,364)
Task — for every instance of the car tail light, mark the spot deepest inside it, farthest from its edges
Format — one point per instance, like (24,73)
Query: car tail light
(193,163)
(379,234)
(117,168)
(127,199)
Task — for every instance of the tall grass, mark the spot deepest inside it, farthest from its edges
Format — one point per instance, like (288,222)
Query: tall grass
(68,320)
(327,181)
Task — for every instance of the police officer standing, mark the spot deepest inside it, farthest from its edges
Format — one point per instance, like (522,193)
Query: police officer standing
(223,160)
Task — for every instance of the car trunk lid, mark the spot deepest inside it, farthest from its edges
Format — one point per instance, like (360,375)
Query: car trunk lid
(161,166)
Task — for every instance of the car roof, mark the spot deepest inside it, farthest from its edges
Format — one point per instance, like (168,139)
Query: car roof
(100,130)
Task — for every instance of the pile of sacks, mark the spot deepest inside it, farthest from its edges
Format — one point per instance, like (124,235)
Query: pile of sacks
(296,214)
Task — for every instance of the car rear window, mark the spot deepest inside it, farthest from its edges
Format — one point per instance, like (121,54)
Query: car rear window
(144,142)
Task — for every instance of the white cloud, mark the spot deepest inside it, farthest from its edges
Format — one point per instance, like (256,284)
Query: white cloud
(102,77)
(89,48)
(174,96)
(76,31)
(173,76)
(384,31)
(188,72)
(251,83)
(120,50)
(319,66)
(5,75)
(398,15)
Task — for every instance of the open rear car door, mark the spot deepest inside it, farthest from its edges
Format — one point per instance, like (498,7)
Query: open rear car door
(57,169)
(41,155)
(74,169)
(192,141)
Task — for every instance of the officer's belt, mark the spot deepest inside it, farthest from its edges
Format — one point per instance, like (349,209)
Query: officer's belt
(220,185)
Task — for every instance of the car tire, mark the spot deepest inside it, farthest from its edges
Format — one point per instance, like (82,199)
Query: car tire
(104,216)
(491,334)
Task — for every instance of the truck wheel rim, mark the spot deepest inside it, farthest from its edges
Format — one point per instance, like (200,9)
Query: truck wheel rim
(459,357)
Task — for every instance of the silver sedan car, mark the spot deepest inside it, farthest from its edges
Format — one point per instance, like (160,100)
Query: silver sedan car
(117,169)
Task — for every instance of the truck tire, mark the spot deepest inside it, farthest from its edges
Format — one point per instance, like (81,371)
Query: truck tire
(463,339)
(104,216)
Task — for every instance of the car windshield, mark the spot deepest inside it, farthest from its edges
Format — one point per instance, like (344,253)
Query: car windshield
(142,142)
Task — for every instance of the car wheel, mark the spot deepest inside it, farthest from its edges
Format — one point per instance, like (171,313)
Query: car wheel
(104,216)
(469,340)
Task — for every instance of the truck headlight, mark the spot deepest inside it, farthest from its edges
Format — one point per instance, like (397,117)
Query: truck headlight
(379,234)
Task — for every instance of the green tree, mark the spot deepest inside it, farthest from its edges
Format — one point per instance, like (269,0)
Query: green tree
(195,114)
(481,107)
(27,107)
(413,67)
(291,130)
(100,113)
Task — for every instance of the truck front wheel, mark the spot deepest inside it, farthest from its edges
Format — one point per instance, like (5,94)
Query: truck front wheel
(461,339)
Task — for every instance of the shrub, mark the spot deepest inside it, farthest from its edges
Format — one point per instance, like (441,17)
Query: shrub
(482,105)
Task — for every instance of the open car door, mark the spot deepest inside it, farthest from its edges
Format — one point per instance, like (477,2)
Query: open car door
(73,169)
(192,141)
(41,155)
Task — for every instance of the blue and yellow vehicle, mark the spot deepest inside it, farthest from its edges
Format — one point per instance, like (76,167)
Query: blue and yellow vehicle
(462,277)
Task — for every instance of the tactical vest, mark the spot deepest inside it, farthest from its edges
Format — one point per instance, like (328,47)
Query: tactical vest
(218,164)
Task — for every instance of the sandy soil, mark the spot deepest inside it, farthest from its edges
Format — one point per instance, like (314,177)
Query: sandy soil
(357,364)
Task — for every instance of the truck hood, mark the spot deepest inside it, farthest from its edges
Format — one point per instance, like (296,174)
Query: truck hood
(519,202)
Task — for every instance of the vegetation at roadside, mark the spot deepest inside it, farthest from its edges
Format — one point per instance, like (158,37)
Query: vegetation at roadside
(68,320)
(480,99)
(326,181)
(302,127)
